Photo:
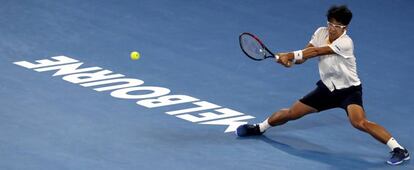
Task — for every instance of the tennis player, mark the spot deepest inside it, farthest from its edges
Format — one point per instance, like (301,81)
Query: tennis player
(338,87)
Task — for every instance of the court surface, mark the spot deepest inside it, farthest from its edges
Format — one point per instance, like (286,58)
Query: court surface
(190,48)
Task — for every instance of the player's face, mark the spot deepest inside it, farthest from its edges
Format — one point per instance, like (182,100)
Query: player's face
(335,28)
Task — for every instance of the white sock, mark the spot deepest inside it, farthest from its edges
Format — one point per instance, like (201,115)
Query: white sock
(264,125)
(392,143)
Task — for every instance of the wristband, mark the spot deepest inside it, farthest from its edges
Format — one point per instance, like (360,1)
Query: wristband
(298,55)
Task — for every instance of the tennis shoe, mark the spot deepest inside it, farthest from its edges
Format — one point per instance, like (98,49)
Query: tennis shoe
(398,156)
(248,130)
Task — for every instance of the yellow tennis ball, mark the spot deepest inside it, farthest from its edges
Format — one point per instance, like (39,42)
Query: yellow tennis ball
(135,55)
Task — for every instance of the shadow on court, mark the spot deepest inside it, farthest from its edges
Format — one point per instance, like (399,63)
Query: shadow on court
(311,151)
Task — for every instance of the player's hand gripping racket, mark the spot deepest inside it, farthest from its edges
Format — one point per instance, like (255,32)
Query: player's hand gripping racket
(254,48)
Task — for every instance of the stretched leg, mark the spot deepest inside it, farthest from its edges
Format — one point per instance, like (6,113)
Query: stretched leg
(296,111)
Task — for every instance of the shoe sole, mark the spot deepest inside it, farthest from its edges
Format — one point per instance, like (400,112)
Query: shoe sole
(397,163)
(236,133)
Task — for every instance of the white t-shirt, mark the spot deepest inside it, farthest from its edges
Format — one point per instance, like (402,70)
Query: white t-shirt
(337,71)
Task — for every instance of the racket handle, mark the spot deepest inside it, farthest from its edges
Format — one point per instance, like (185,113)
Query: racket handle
(277,57)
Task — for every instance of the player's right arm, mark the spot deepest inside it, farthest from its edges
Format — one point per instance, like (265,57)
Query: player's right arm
(303,59)
(309,52)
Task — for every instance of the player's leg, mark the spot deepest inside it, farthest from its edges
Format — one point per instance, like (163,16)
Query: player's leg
(296,111)
(358,119)
(282,116)
(314,101)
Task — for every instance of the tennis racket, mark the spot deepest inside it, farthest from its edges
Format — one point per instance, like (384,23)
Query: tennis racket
(254,48)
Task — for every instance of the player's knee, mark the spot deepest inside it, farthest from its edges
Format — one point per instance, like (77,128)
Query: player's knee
(293,114)
(283,114)
(359,124)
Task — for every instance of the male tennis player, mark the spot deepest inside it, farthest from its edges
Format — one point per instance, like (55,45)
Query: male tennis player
(339,86)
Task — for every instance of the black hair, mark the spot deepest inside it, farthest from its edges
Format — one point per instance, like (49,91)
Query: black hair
(340,13)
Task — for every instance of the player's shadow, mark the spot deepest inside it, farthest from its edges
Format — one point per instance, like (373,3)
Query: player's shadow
(307,150)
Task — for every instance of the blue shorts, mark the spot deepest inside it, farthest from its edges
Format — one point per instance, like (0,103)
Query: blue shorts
(322,99)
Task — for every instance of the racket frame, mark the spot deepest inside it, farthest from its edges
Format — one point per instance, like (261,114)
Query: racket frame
(261,44)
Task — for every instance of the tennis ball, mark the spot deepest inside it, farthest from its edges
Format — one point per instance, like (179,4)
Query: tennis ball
(135,55)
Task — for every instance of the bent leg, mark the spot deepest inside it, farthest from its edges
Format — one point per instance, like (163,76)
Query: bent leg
(357,118)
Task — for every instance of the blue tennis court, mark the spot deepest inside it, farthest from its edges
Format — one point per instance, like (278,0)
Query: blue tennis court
(192,85)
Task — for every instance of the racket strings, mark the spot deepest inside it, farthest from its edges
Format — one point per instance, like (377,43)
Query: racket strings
(252,47)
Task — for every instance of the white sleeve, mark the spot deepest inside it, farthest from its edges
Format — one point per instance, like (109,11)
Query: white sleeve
(343,46)
(315,37)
